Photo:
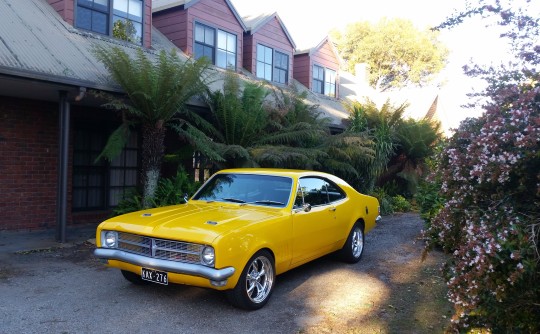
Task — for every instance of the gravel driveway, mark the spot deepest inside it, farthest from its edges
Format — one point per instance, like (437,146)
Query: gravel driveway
(389,290)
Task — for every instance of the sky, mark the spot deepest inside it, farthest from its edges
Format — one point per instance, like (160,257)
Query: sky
(309,21)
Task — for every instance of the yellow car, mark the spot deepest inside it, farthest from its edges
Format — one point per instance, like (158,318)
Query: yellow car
(240,229)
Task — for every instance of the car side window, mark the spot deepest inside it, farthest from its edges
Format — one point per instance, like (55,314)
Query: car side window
(315,191)
(335,193)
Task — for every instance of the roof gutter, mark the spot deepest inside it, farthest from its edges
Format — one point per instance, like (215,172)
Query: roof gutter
(56,79)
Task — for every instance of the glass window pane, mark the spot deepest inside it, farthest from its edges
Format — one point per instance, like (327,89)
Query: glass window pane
(198,51)
(94,198)
(79,198)
(221,59)
(101,5)
(84,18)
(260,52)
(135,10)
(209,53)
(131,158)
(131,178)
(199,33)
(222,40)
(231,43)
(231,60)
(120,7)
(260,70)
(268,72)
(87,3)
(115,196)
(268,55)
(209,36)
(99,23)
(116,177)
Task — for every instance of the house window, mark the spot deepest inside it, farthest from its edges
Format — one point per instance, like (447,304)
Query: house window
(324,81)
(226,50)
(121,19)
(272,66)
(224,55)
(101,185)
(281,68)
(318,79)
(330,82)
(204,42)
(264,62)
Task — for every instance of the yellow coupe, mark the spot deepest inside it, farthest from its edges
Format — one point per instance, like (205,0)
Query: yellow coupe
(240,229)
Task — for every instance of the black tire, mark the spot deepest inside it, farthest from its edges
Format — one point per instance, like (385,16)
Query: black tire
(256,283)
(134,278)
(354,246)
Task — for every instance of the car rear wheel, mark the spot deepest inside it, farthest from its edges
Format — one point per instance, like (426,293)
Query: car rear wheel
(134,278)
(354,246)
(256,282)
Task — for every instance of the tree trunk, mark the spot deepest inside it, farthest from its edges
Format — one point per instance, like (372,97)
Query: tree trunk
(152,156)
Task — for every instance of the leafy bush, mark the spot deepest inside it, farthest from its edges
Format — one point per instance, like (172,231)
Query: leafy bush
(490,222)
(170,191)
(385,201)
(400,204)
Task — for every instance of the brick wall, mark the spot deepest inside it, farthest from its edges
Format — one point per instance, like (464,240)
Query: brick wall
(28,164)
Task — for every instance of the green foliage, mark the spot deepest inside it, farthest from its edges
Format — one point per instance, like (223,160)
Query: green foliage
(125,30)
(170,191)
(400,204)
(397,53)
(157,90)
(385,201)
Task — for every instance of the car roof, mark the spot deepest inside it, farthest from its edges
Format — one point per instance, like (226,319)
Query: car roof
(294,173)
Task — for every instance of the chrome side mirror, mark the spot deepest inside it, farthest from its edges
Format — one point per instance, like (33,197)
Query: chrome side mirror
(306,207)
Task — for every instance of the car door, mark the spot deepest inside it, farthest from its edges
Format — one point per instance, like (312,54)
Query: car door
(314,229)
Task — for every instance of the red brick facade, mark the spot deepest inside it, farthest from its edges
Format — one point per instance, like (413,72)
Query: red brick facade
(29,163)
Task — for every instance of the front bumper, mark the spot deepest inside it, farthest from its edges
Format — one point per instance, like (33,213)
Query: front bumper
(216,276)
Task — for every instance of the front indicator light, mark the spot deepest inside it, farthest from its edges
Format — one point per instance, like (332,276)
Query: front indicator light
(208,256)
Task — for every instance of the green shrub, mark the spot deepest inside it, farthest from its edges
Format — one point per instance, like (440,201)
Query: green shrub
(385,201)
(400,204)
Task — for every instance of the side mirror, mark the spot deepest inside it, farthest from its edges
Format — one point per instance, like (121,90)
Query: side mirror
(186,197)
(307,207)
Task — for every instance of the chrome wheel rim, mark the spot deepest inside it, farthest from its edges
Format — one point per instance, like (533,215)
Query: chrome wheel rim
(357,242)
(259,279)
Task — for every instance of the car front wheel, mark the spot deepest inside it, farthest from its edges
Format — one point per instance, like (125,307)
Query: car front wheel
(354,246)
(256,282)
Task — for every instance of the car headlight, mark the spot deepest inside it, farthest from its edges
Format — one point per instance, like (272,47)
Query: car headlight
(208,256)
(109,239)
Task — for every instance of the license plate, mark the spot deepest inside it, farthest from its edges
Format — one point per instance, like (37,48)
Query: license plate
(155,276)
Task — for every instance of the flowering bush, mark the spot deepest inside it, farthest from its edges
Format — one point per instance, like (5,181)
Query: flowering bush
(490,222)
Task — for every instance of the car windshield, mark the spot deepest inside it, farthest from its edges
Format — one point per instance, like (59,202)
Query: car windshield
(247,189)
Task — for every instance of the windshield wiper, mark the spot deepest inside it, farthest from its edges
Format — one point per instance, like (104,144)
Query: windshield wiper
(265,201)
(235,200)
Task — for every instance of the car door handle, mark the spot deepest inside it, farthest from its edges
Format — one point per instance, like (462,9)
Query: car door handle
(332,209)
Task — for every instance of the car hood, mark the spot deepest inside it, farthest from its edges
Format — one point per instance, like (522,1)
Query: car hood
(198,222)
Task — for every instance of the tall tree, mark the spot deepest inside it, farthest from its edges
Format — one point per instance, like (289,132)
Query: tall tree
(397,53)
(157,92)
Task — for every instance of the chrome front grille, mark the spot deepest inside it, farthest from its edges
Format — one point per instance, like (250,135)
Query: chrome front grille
(159,248)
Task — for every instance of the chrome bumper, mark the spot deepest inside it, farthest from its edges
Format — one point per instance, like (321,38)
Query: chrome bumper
(216,275)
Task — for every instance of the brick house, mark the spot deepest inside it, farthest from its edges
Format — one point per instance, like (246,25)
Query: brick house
(317,68)
(52,129)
